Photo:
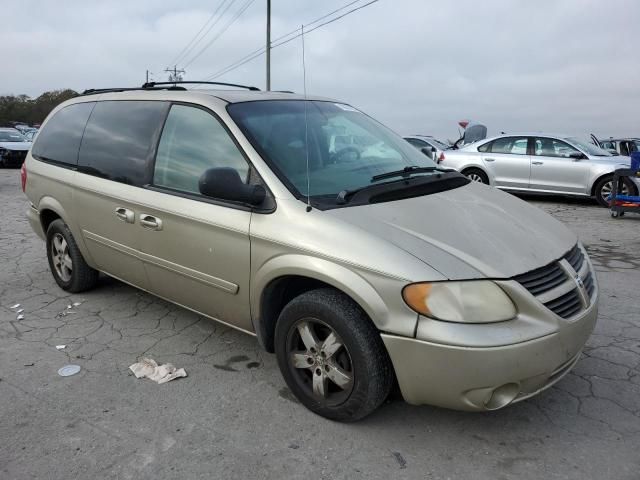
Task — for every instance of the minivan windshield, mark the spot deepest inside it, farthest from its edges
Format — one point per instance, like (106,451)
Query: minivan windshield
(346,148)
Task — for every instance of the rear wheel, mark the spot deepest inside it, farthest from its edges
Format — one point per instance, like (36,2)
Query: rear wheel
(67,264)
(604,187)
(476,175)
(331,356)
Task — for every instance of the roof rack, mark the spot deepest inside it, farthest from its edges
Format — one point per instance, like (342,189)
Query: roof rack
(95,91)
(153,84)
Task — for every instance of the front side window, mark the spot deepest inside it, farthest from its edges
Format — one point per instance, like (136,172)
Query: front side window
(119,140)
(341,148)
(510,145)
(59,139)
(192,142)
(551,147)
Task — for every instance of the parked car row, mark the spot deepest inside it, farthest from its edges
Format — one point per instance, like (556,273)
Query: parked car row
(13,147)
(543,163)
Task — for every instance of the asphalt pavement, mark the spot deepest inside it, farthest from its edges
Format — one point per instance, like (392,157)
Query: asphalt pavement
(233,416)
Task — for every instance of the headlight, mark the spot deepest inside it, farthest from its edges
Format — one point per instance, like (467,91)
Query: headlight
(475,301)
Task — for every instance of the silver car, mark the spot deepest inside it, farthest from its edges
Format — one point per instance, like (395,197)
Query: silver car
(356,267)
(541,163)
(430,146)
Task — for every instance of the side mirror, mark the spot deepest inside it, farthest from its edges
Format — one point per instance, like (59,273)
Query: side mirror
(577,155)
(225,183)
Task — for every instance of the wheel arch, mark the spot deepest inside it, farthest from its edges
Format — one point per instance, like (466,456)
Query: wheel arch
(475,166)
(50,209)
(283,278)
(602,176)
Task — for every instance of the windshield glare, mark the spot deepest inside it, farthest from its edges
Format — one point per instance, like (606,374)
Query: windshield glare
(589,148)
(345,147)
(8,136)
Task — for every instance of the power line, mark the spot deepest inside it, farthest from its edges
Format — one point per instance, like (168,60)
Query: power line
(222,9)
(262,50)
(221,32)
(276,43)
(190,45)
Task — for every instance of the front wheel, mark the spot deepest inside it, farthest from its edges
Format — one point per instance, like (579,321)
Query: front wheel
(476,175)
(332,356)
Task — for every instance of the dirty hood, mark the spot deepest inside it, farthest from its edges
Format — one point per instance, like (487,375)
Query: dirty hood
(473,231)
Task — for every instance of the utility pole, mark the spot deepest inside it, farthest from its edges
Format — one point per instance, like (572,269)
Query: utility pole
(147,81)
(268,45)
(175,75)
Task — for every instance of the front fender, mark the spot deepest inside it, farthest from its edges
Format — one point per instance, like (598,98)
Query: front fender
(366,288)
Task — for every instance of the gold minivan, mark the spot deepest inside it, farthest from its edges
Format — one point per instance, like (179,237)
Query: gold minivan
(360,263)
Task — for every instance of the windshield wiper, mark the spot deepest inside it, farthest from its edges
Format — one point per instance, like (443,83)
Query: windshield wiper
(344,196)
(406,172)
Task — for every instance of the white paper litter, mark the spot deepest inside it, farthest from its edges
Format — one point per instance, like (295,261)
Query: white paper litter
(69,370)
(69,306)
(147,367)
(15,306)
(77,304)
(20,311)
(19,317)
(60,347)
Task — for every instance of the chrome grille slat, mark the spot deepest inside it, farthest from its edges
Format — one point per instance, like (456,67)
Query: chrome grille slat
(554,286)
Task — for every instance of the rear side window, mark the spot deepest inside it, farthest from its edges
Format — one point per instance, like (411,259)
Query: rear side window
(59,139)
(511,145)
(120,138)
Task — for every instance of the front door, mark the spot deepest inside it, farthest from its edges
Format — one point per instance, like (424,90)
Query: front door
(196,250)
(553,169)
(508,161)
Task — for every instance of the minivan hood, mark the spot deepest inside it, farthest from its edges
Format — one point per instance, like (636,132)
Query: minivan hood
(474,231)
(20,146)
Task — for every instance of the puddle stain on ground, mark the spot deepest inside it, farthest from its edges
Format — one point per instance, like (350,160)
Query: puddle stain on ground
(230,361)
(288,395)
(613,257)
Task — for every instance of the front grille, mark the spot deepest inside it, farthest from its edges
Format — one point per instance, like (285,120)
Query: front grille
(542,279)
(566,305)
(567,300)
(15,157)
(575,258)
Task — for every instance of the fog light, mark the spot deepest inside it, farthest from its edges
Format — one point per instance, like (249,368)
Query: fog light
(502,396)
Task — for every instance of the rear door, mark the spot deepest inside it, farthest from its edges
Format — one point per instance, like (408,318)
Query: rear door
(114,162)
(196,250)
(508,161)
(552,168)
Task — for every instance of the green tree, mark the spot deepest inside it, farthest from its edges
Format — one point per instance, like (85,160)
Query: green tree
(22,108)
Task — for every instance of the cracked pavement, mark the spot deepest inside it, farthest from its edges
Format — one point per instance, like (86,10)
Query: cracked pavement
(233,417)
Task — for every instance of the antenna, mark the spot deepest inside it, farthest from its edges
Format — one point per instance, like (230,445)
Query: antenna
(306,125)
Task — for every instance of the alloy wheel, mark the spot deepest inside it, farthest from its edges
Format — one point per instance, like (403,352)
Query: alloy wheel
(474,177)
(61,259)
(320,361)
(607,188)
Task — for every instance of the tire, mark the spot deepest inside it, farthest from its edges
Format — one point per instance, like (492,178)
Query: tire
(352,371)
(476,175)
(67,265)
(603,189)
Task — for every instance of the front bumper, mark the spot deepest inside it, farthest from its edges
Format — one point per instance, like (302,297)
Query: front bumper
(13,158)
(479,378)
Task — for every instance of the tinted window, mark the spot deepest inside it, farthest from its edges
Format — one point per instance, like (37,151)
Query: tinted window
(511,145)
(193,141)
(59,139)
(119,140)
(550,147)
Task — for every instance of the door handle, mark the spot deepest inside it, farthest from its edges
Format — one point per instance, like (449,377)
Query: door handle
(125,214)
(537,163)
(150,222)
(489,159)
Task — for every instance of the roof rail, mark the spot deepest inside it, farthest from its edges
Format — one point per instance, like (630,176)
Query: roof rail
(153,84)
(96,91)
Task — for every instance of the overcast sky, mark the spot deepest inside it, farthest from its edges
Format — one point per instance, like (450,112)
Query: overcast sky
(419,66)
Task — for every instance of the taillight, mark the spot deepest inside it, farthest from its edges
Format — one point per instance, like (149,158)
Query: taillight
(23,175)
(441,157)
